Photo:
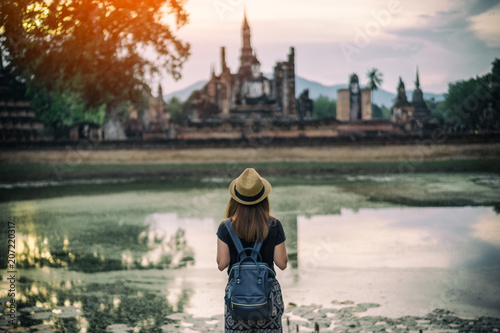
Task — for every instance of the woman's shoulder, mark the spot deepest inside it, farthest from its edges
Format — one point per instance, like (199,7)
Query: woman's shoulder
(275,225)
(224,222)
(275,222)
(222,229)
(277,230)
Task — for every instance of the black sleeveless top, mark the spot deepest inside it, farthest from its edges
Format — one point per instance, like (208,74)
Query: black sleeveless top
(275,237)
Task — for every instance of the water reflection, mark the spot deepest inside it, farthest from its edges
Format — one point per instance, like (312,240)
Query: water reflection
(70,306)
(90,273)
(55,291)
(289,222)
(402,237)
(193,243)
(140,247)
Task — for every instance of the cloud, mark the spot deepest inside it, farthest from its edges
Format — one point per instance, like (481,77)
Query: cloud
(486,27)
(449,39)
(447,12)
(481,6)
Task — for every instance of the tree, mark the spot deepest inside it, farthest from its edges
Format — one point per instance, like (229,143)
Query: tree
(63,110)
(177,113)
(323,107)
(436,108)
(386,112)
(377,111)
(494,84)
(375,79)
(474,104)
(463,107)
(89,49)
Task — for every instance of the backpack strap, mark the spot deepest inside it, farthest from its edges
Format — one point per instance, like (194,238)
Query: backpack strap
(234,237)
(237,242)
(258,244)
(256,249)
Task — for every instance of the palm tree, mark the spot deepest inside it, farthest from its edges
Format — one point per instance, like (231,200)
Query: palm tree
(375,79)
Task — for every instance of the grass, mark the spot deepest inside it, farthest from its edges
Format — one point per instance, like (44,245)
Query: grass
(17,172)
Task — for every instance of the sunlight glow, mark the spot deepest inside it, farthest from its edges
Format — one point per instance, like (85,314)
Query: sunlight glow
(40,11)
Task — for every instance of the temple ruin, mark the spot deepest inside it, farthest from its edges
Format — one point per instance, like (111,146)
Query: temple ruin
(412,116)
(354,104)
(247,93)
(18,121)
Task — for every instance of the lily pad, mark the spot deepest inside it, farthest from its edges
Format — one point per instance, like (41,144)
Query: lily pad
(41,315)
(119,328)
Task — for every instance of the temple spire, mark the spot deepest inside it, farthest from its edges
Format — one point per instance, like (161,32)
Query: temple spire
(417,82)
(245,21)
(420,109)
(401,92)
(223,59)
(160,91)
(247,56)
(245,32)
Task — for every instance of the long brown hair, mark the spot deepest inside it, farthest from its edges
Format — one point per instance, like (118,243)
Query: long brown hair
(251,222)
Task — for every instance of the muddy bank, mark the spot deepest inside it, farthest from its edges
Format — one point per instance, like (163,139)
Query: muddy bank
(346,316)
(343,316)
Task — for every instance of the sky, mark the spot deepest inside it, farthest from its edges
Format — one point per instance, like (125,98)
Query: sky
(448,40)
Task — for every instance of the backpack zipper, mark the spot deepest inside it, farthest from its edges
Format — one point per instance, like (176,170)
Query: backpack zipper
(248,305)
(265,267)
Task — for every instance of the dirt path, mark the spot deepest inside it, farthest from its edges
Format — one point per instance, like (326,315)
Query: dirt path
(218,155)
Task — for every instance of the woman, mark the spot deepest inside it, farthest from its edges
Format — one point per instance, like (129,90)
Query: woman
(249,212)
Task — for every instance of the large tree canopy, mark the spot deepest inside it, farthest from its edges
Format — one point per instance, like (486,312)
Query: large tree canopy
(474,104)
(96,49)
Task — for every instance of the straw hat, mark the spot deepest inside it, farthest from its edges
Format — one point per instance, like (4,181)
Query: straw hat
(249,188)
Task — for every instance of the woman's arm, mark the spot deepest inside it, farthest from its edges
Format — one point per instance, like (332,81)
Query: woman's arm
(280,256)
(222,255)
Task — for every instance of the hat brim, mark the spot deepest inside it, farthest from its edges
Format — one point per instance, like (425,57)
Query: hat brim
(267,190)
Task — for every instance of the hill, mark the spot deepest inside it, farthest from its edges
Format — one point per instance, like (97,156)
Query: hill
(380,97)
(183,94)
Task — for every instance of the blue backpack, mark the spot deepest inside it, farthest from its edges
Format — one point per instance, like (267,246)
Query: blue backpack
(250,283)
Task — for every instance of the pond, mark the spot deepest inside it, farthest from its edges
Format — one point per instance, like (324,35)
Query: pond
(134,253)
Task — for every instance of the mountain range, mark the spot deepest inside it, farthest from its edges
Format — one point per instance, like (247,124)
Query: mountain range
(380,96)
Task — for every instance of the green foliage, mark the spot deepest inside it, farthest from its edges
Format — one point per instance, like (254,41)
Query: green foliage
(494,79)
(386,112)
(377,111)
(381,112)
(473,104)
(438,109)
(177,112)
(323,107)
(375,79)
(462,103)
(59,110)
(89,52)
(431,103)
